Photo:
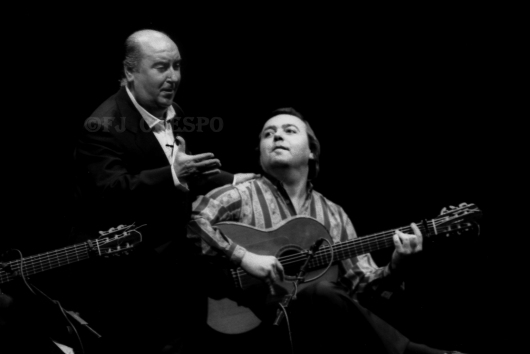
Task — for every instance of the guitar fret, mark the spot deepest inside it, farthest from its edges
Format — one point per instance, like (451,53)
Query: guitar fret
(237,278)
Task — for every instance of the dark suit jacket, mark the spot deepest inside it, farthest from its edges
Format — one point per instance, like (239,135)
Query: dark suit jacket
(123,176)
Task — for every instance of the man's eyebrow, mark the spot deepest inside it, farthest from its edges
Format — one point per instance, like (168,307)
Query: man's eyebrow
(166,61)
(290,125)
(160,61)
(273,127)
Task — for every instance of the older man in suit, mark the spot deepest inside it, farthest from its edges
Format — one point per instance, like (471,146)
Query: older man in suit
(132,167)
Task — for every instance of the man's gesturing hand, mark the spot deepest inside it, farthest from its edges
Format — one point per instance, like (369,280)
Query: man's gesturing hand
(188,167)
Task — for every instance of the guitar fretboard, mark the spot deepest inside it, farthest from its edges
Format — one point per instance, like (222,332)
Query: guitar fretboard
(361,245)
(44,261)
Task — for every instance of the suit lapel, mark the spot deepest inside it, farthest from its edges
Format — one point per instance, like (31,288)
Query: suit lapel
(145,139)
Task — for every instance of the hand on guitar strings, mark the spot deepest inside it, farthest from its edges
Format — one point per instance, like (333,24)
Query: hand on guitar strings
(266,268)
(406,245)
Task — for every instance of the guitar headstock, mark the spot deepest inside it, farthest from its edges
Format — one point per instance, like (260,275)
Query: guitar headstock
(457,220)
(117,240)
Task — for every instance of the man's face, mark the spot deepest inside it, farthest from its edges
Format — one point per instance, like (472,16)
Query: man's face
(155,81)
(284,143)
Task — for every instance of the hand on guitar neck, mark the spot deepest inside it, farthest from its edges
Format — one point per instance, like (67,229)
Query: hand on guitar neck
(406,245)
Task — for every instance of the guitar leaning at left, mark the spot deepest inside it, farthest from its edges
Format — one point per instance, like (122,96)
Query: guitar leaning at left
(114,242)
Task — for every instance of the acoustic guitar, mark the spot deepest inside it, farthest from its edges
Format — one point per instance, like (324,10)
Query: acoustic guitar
(229,311)
(113,242)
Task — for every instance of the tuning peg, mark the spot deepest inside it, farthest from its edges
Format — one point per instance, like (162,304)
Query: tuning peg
(444,211)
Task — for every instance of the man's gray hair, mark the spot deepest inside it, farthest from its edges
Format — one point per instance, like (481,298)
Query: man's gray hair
(133,56)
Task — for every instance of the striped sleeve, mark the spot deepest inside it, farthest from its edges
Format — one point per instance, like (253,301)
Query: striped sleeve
(221,204)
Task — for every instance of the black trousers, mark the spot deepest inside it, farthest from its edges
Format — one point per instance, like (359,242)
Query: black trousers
(323,319)
(326,319)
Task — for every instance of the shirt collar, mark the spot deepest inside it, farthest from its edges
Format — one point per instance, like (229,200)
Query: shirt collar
(150,119)
(279,186)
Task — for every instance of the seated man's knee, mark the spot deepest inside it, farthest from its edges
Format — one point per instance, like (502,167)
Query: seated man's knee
(323,292)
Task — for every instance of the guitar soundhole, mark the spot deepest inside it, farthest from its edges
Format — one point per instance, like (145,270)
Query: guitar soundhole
(290,261)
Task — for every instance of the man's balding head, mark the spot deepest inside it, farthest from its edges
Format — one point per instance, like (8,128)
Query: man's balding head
(151,70)
(134,45)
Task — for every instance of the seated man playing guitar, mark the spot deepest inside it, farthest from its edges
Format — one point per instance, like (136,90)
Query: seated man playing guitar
(325,317)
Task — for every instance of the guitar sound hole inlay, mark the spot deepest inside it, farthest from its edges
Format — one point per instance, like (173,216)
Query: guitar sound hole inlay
(290,261)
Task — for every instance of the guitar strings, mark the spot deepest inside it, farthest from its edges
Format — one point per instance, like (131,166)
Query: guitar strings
(45,261)
(48,260)
(339,249)
(365,244)
(374,239)
(53,259)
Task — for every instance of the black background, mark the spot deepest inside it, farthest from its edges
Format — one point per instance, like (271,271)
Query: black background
(411,106)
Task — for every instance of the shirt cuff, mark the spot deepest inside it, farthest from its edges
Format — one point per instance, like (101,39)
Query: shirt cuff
(176,180)
(237,255)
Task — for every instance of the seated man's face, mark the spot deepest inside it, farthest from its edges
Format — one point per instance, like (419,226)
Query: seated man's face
(157,77)
(284,143)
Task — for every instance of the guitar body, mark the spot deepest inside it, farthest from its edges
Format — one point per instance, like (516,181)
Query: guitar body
(229,315)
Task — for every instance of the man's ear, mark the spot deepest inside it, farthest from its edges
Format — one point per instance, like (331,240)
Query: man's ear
(128,75)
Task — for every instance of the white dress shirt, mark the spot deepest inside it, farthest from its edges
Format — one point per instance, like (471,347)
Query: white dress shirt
(163,132)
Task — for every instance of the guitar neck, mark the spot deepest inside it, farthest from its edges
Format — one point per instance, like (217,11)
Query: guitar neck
(362,245)
(44,261)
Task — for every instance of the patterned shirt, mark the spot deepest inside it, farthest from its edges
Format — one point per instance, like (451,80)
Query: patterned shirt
(263,204)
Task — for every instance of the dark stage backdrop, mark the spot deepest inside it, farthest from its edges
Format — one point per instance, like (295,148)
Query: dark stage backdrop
(408,110)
